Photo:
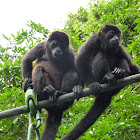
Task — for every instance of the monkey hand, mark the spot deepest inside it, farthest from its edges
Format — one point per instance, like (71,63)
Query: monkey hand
(55,95)
(95,87)
(109,78)
(119,73)
(27,83)
(50,91)
(77,90)
(52,94)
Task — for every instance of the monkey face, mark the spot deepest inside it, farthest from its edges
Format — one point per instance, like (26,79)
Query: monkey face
(57,46)
(56,49)
(113,39)
(110,36)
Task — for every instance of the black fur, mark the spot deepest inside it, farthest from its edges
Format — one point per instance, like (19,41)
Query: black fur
(54,70)
(101,59)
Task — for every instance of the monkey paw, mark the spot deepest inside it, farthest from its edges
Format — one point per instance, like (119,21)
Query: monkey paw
(95,87)
(27,83)
(49,89)
(109,78)
(77,90)
(49,92)
(55,95)
(119,73)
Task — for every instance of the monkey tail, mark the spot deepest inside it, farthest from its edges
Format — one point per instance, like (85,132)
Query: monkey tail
(100,104)
(52,123)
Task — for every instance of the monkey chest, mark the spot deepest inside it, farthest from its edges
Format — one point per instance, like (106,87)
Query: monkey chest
(113,62)
(55,74)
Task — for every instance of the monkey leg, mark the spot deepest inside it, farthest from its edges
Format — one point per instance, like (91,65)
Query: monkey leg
(41,80)
(52,123)
(100,66)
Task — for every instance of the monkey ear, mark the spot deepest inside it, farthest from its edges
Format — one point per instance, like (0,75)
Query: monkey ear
(53,35)
(100,32)
(50,36)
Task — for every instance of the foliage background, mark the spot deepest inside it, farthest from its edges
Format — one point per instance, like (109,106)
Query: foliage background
(121,120)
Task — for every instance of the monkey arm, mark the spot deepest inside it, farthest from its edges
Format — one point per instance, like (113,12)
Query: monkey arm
(87,49)
(134,68)
(125,69)
(87,52)
(91,44)
(33,54)
(120,71)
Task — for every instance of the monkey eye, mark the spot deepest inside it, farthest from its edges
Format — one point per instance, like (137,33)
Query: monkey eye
(111,33)
(54,44)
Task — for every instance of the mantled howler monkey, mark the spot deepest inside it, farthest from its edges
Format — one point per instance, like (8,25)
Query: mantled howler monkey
(101,59)
(54,73)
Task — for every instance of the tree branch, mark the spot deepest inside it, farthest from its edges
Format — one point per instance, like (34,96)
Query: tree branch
(71,96)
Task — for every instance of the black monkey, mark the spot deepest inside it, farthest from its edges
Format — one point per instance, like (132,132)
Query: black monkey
(54,73)
(101,59)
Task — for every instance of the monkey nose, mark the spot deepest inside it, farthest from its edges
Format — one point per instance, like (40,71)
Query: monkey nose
(58,50)
(117,39)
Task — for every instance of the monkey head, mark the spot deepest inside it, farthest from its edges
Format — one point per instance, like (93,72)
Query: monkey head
(57,45)
(110,37)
